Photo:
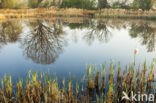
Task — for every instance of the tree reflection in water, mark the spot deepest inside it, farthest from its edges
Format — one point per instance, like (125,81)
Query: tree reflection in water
(44,43)
(98,30)
(46,40)
(10,31)
(146,33)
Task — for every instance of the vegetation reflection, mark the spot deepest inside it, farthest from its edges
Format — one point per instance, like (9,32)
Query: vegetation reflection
(99,31)
(10,31)
(46,39)
(146,33)
(44,43)
(96,30)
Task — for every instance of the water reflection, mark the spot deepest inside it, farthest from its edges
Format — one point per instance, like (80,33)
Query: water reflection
(79,24)
(44,43)
(45,39)
(10,31)
(146,33)
(99,31)
(96,30)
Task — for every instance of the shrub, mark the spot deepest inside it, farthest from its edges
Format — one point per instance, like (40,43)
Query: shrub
(120,5)
(83,4)
(10,4)
(103,4)
(143,4)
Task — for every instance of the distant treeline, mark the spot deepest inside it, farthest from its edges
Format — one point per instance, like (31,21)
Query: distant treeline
(82,4)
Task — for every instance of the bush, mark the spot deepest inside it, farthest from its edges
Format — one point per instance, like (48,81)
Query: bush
(32,3)
(120,5)
(143,4)
(11,4)
(49,3)
(103,4)
(82,4)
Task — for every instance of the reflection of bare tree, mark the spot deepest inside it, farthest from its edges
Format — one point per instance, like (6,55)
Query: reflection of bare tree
(146,33)
(44,44)
(98,31)
(10,31)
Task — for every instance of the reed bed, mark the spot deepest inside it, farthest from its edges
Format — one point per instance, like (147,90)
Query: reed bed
(42,12)
(123,13)
(100,86)
(71,12)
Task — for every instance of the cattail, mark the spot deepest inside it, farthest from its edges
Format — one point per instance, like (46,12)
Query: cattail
(136,51)
(36,91)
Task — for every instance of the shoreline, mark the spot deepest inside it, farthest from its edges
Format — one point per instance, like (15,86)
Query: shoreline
(71,12)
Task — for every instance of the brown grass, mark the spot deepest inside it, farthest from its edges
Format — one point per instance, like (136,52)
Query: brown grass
(2,17)
(39,89)
(56,12)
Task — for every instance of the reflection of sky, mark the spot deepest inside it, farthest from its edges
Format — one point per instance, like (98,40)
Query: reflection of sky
(76,54)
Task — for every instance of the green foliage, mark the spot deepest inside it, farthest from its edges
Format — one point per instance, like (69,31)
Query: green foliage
(34,3)
(143,4)
(120,5)
(10,4)
(103,4)
(135,4)
(49,3)
(83,4)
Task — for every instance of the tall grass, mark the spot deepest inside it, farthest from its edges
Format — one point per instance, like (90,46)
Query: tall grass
(40,88)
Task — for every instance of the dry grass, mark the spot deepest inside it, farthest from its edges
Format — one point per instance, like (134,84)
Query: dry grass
(122,13)
(40,89)
(56,12)
(2,17)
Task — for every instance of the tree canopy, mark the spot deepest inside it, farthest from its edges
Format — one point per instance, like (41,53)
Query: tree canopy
(10,3)
(102,4)
(82,4)
(143,4)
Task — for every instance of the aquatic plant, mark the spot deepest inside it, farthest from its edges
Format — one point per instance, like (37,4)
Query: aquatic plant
(99,88)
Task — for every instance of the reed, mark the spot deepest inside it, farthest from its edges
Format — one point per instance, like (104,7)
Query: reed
(72,12)
(41,88)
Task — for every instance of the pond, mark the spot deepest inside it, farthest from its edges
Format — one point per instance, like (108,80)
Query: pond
(65,46)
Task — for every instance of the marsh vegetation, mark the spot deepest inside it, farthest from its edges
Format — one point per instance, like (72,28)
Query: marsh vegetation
(138,9)
(65,35)
(63,44)
(100,86)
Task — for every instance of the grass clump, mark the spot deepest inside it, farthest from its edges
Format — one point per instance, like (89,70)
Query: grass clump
(100,86)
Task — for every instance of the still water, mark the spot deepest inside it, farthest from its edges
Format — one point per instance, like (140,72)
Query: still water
(66,46)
